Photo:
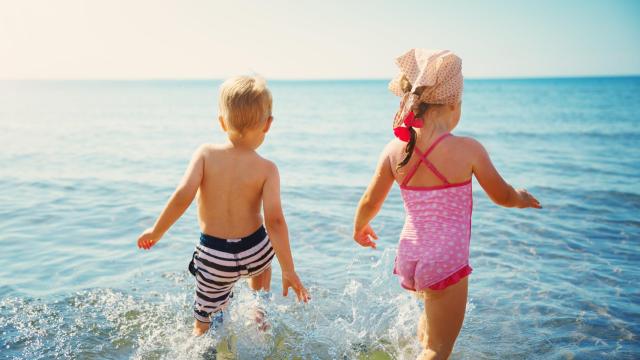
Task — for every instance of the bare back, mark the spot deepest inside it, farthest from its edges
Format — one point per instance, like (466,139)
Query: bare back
(451,157)
(230,193)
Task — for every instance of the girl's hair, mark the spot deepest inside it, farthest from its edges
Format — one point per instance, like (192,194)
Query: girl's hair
(418,110)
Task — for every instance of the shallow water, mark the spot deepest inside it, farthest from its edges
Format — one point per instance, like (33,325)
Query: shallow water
(85,166)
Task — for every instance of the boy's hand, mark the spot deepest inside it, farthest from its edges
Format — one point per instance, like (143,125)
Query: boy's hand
(147,239)
(291,280)
(526,200)
(365,236)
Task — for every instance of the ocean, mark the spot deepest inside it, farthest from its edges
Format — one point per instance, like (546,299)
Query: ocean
(85,166)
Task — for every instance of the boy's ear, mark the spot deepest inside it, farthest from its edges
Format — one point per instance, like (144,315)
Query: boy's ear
(267,124)
(222,125)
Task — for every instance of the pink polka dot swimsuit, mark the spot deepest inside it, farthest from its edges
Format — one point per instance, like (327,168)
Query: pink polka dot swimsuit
(434,244)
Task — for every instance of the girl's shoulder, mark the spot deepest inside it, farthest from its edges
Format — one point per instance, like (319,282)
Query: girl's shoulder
(464,146)
(394,144)
(393,149)
(465,141)
(467,145)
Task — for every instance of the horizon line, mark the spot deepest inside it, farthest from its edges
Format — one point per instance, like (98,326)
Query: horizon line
(283,79)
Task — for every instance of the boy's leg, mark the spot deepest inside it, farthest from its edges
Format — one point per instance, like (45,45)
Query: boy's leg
(261,281)
(444,311)
(211,297)
(199,327)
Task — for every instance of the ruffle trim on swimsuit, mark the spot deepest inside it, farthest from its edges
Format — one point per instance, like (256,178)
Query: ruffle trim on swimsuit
(452,279)
(442,284)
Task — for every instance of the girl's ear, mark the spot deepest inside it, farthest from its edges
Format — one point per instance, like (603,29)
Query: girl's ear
(222,125)
(267,124)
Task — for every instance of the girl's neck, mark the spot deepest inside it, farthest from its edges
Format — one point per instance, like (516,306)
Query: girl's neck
(430,131)
(435,123)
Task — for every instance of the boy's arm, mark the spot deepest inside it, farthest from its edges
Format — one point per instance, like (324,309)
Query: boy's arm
(498,190)
(279,233)
(178,203)
(372,201)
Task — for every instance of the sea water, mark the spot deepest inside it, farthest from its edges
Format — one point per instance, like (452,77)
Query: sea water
(85,166)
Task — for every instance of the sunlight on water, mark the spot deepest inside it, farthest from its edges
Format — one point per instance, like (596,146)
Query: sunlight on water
(85,166)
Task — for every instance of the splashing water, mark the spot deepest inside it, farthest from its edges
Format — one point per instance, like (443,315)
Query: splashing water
(372,321)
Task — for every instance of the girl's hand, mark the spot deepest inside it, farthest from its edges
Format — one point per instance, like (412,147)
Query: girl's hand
(526,200)
(147,239)
(291,280)
(365,236)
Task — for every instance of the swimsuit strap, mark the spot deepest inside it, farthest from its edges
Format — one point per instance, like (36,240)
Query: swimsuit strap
(423,159)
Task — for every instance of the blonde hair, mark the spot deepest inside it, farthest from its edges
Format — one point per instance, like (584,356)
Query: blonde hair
(244,102)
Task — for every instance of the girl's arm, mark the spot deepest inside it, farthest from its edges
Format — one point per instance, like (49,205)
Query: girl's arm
(498,190)
(372,201)
(279,234)
(178,203)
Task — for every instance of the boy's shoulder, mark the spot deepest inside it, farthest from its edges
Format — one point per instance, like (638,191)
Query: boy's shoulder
(259,164)
(265,168)
(210,147)
(269,165)
(205,149)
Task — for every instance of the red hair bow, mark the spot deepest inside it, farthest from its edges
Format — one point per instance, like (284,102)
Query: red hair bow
(402,132)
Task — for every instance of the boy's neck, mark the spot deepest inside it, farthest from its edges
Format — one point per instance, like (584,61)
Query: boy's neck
(244,141)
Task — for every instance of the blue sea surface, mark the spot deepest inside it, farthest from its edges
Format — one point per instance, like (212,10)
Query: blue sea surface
(85,166)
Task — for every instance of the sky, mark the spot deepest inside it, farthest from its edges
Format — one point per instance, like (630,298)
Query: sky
(328,39)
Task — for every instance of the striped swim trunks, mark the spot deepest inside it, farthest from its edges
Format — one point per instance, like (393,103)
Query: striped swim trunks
(219,263)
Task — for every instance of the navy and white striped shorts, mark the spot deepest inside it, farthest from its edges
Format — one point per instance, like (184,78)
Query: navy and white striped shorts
(220,263)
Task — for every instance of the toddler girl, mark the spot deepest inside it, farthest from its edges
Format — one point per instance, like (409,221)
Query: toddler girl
(434,170)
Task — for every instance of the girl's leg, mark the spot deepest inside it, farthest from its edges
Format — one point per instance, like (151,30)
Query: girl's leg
(422,329)
(444,312)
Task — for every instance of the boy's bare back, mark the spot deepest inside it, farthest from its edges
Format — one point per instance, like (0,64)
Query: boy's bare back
(230,193)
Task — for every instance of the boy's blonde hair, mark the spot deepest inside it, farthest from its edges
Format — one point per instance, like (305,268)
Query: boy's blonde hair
(245,102)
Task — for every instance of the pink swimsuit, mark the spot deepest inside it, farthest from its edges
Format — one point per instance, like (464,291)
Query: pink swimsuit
(434,244)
